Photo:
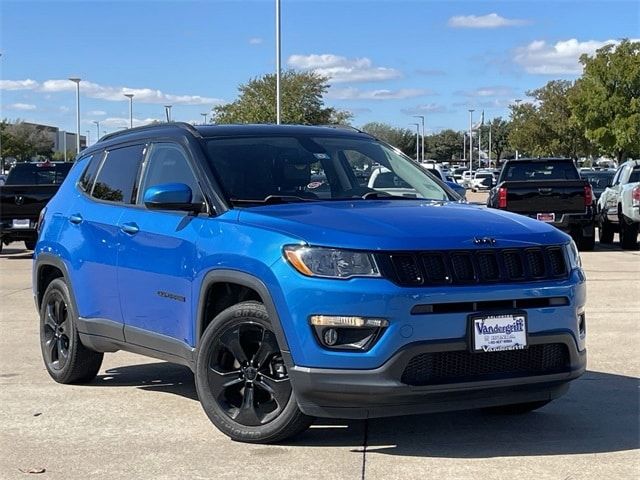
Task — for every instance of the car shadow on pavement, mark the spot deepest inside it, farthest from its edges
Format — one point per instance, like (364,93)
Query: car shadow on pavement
(598,414)
(16,253)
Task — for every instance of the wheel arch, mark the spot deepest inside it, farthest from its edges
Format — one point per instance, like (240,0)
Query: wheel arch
(218,277)
(47,268)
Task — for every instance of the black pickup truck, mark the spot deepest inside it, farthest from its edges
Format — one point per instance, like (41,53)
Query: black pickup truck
(28,188)
(550,190)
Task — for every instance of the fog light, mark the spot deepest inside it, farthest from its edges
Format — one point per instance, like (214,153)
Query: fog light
(347,333)
(330,336)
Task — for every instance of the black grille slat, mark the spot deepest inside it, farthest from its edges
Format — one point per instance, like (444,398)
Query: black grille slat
(463,267)
(435,368)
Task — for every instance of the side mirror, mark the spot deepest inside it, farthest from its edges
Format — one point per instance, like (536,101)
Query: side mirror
(170,196)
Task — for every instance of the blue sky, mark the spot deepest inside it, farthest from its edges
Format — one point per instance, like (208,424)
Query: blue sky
(387,59)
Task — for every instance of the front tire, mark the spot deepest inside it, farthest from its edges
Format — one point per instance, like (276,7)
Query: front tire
(67,360)
(241,378)
(606,230)
(628,234)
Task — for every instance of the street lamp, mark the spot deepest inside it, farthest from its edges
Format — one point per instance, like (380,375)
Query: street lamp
(204,115)
(471,110)
(89,137)
(517,100)
(167,112)
(417,141)
(130,97)
(490,145)
(278,68)
(464,147)
(76,80)
(97,122)
(423,133)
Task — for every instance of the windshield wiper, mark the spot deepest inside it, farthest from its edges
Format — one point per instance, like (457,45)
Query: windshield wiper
(386,196)
(271,199)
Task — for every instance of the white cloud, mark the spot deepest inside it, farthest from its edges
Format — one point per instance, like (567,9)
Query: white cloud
(352,93)
(20,106)
(110,93)
(492,20)
(424,108)
(540,57)
(255,41)
(27,84)
(342,69)
(97,113)
(492,91)
(116,94)
(122,122)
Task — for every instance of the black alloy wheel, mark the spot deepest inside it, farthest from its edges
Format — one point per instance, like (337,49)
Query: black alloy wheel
(242,378)
(247,374)
(56,332)
(67,360)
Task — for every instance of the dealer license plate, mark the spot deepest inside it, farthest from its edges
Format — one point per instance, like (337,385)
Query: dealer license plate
(21,223)
(546,217)
(499,332)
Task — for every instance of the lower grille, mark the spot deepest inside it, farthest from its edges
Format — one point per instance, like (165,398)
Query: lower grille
(463,366)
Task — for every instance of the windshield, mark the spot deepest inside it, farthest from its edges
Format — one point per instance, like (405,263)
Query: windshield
(254,170)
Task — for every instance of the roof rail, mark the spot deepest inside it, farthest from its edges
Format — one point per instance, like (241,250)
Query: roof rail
(183,125)
(342,127)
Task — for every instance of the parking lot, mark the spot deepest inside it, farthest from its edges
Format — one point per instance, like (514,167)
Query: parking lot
(140,418)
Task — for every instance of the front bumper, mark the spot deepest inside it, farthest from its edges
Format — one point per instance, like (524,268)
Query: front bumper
(380,392)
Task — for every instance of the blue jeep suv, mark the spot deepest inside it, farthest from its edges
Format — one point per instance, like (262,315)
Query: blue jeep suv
(260,257)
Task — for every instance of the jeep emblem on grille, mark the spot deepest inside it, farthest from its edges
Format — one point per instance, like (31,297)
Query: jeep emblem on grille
(19,199)
(484,241)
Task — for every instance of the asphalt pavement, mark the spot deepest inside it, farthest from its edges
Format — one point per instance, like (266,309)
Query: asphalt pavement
(141,419)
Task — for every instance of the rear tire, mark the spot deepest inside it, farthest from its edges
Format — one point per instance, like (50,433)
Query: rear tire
(628,234)
(518,408)
(241,378)
(606,230)
(67,360)
(583,242)
(30,244)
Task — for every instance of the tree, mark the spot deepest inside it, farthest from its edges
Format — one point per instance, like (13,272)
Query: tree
(444,146)
(500,129)
(301,97)
(24,141)
(400,138)
(546,127)
(606,100)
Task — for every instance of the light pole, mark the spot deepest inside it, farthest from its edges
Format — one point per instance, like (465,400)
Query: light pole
(278,54)
(167,111)
(89,137)
(97,122)
(204,115)
(76,80)
(64,144)
(490,145)
(517,100)
(464,148)
(130,97)
(417,141)
(421,117)
(471,138)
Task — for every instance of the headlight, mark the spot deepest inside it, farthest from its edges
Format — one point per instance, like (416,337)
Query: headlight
(331,263)
(574,255)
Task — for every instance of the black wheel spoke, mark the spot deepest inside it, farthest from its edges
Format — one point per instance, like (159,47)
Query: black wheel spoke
(280,390)
(231,341)
(51,346)
(49,319)
(63,352)
(247,414)
(218,381)
(268,346)
(59,311)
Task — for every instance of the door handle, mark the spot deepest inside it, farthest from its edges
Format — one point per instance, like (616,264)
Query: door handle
(75,218)
(544,191)
(130,228)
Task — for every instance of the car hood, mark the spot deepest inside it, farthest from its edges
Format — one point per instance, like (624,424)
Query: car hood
(400,225)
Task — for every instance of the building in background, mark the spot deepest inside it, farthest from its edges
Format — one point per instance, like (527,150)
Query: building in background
(61,139)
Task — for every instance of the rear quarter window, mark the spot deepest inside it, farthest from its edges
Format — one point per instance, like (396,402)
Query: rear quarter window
(118,174)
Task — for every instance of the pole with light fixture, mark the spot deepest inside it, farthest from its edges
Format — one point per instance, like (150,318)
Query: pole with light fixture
(278,62)
(167,112)
(97,122)
(471,110)
(421,117)
(130,97)
(77,80)
(204,116)
(417,141)
(517,100)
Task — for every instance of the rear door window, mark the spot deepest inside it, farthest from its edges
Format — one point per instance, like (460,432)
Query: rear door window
(118,174)
(525,171)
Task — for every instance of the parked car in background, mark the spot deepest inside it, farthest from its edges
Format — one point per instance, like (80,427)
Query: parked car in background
(619,206)
(482,181)
(203,246)
(599,180)
(27,189)
(549,190)
(467,178)
(457,174)
(3,178)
